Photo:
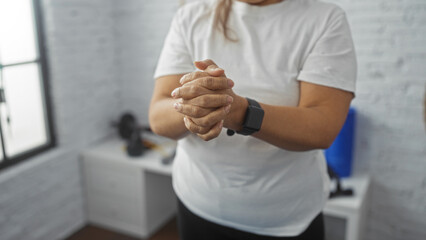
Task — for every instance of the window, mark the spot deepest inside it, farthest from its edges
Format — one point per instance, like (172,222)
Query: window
(25,118)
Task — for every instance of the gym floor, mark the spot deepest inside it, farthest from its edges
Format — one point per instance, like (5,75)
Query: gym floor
(168,232)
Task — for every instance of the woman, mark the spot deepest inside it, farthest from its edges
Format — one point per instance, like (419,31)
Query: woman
(282,75)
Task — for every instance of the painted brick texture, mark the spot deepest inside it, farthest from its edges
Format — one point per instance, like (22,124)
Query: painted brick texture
(42,198)
(390,37)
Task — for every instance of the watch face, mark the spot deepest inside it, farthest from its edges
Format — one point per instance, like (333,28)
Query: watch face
(254,118)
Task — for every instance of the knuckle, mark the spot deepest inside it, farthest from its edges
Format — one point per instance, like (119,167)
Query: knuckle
(202,130)
(208,121)
(186,109)
(202,101)
(204,122)
(192,89)
(186,77)
(196,111)
(209,82)
(195,75)
(197,121)
(217,84)
(192,128)
(198,75)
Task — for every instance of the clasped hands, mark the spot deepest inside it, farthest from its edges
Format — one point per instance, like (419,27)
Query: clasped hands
(206,100)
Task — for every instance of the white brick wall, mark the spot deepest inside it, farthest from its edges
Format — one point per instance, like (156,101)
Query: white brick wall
(42,197)
(141,26)
(390,37)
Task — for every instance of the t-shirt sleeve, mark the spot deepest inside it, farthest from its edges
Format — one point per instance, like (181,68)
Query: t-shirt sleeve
(332,61)
(175,57)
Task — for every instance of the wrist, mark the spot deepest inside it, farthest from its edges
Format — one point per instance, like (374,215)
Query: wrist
(237,113)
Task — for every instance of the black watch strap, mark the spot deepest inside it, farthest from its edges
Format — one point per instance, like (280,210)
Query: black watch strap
(247,130)
(252,120)
(253,103)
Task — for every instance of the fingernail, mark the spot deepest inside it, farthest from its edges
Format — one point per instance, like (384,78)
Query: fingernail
(217,69)
(186,122)
(177,106)
(229,99)
(230,83)
(175,92)
(182,79)
(221,124)
(227,109)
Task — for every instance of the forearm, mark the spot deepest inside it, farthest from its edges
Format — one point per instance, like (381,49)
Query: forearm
(296,128)
(165,121)
(299,128)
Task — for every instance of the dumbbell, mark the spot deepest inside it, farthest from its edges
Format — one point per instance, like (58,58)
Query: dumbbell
(129,130)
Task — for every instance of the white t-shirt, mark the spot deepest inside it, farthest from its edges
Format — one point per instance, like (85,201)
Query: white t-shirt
(240,181)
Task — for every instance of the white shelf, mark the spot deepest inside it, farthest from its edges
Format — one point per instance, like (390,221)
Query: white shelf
(352,209)
(133,195)
(353,203)
(115,150)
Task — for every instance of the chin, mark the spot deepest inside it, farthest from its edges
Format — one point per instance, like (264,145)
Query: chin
(255,2)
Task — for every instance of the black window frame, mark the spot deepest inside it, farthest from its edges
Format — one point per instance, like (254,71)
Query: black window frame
(44,75)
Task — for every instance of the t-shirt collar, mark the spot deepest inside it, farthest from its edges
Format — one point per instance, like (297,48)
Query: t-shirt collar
(248,9)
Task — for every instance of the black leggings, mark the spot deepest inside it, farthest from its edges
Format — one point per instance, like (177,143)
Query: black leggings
(192,227)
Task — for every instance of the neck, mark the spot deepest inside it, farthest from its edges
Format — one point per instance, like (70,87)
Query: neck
(260,2)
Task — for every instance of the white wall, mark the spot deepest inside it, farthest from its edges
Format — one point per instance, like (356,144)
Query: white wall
(390,37)
(141,26)
(42,197)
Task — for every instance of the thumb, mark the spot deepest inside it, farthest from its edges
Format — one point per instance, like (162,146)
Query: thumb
(210,67)
(203,64)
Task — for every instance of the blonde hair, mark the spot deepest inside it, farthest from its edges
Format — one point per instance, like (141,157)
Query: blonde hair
(221,15)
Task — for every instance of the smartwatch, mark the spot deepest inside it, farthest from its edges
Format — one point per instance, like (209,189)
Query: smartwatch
(252,120)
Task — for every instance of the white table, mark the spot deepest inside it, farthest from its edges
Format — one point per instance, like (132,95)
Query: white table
(351,209)
(135,196)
